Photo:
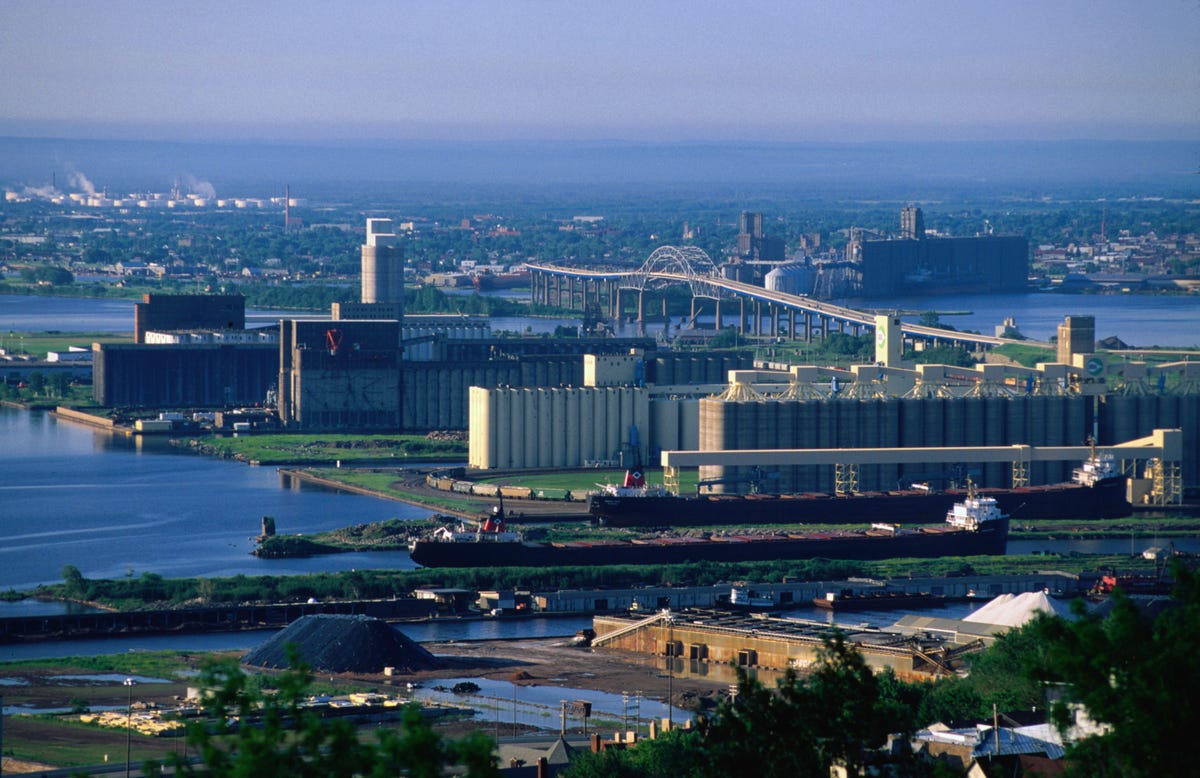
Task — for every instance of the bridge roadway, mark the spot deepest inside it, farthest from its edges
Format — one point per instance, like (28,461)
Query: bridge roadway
(604,287)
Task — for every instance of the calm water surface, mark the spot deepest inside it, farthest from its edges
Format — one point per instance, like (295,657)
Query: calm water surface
(70,495)
(1139,320)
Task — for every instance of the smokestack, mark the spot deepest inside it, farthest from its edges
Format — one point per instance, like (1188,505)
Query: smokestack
(287,207)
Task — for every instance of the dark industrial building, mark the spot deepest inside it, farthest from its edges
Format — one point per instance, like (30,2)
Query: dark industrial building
(205,375)
(992,263)
(339,375)
(188,312)
(915,264)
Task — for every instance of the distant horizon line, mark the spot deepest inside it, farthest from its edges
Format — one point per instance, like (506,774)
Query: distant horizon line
(608,141)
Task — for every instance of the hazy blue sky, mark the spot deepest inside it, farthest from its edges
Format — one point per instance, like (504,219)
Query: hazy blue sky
(797,71)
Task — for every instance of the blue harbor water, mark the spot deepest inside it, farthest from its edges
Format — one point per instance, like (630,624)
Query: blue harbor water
(113,506)
(1139,320)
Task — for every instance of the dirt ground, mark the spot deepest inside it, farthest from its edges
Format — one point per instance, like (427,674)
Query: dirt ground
(531,662)
(528,662)
(556,662)
(42,687)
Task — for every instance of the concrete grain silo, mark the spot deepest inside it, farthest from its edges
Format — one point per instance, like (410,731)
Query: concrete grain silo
(382,265)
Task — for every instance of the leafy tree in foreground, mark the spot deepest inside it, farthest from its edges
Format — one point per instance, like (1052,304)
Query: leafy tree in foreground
(1136,677)
(253,733)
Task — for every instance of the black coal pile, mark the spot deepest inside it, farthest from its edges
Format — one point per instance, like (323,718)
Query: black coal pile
(342,644)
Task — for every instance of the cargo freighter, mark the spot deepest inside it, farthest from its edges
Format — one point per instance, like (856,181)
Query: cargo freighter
(973,526)
(1096,491)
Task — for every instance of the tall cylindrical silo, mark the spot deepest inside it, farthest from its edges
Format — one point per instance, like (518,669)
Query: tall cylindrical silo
(600,423)
(689,425)
(1168,411)
(995,473)
(785,437)
(935,421)
(628,417)
(1056,434)
(806,437)
(1037,434)
(712,370)
(587,424)
(889,437)
(512,428)
(545,444)
(827,433)
(1189,424)
(665,414)
(558,428)
(745,437)
(528,400)
(868,437)
(574,429)
(912,434)
(1016,420)
(712,437)
(1147,414)
(612,430)
(446,410)
(847,424)
(665,371)
(954,431)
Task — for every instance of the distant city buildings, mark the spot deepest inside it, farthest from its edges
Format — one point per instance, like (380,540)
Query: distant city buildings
(753,245)
(757,254)
(912,223)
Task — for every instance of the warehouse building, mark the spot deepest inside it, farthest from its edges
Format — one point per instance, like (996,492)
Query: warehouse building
(188,375)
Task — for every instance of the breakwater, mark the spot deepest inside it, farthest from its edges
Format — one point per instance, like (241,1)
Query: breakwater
(216,618)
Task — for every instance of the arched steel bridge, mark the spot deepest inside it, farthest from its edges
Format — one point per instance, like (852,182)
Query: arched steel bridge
(754,309)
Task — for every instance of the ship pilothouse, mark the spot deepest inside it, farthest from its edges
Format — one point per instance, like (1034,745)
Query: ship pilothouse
(975,512)
(1096,468)
(493,529)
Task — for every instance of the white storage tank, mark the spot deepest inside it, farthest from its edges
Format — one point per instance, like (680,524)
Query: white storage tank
(795,278)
